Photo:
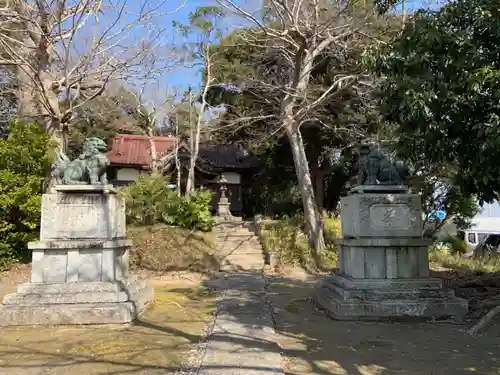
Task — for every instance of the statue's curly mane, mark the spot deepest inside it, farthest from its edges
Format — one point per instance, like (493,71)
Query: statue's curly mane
(93,145)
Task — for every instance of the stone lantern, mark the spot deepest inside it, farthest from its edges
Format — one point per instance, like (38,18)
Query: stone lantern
(224,206)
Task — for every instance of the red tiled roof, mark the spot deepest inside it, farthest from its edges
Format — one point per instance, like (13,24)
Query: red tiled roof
(134,150)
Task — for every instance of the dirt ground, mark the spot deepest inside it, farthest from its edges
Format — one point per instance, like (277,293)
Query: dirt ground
(314,344)
(156,344)
(310,342)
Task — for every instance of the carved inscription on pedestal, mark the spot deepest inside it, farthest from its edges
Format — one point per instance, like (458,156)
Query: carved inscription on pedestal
(89,213)
(390,217)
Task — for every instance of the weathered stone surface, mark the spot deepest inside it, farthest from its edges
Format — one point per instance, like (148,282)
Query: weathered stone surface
(64,298)
(74,189)
(74,287)
(342,298)
(80,266)
(243,340)
(67,314)
(238,249)
(383,262)
(68,215)
(77,260)
(80,308)
(377,284)
(391,309)
(381,215)
(393,189)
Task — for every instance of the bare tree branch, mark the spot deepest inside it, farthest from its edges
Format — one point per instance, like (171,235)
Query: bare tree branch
(67,51)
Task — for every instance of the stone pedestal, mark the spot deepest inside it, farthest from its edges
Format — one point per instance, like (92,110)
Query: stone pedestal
(383,261)
(80,265)
(224,209)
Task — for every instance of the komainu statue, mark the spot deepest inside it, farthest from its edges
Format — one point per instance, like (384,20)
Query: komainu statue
(375,168)
(88,168)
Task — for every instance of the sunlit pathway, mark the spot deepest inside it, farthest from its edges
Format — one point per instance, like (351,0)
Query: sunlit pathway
(242,339)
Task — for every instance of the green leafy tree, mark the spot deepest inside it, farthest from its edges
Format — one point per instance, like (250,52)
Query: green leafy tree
(441,89)
(25,160)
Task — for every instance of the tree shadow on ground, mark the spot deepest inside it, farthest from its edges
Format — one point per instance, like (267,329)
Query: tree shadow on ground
(312,343)
(159,342)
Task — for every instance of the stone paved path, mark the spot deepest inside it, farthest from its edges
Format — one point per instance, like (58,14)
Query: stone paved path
(242,340)
(238,247)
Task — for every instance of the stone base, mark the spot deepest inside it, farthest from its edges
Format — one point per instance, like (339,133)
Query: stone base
(75,303)
(344,298)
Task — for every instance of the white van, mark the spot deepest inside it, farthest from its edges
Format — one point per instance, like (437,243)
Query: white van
(480,229)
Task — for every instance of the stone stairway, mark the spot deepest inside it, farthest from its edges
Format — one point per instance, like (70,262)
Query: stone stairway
(241,340)
(238,247)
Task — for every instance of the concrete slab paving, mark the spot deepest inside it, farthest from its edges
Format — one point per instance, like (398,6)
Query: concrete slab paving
(242,340)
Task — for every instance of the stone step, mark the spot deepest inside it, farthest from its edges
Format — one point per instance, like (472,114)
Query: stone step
(67,314)
(75,298)
(236,226)
(392,294)
(75,287)
(237,247)
(238,244)
(381,284)
(389,309)
(241,267)
(248,252)
(29,309)
(243,260)
(73,293)
(235,234)
(252,240)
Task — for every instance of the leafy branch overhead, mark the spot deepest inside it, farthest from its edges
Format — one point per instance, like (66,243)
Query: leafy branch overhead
(441,89)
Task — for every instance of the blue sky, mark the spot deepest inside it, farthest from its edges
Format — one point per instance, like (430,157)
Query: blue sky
(181,78)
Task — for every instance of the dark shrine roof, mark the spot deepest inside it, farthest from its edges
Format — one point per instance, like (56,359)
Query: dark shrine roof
(228,156)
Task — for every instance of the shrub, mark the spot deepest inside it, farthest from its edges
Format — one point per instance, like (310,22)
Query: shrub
(332,230)
(25,159)
(286,240)
(193,211)
(150,201)
(455,244)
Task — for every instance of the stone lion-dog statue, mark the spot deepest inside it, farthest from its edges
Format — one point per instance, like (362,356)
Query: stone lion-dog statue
(88,168)
(375,168)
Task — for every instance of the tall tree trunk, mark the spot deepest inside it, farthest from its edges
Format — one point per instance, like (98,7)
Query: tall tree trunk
(318,177)
(193,142)
(154,155)
(313,218)
(177,161)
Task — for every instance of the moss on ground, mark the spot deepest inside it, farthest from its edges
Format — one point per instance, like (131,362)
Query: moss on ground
(157,343)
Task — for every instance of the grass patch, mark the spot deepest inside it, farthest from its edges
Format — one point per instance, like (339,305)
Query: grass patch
(167,248)
(442,258)
(286,240)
